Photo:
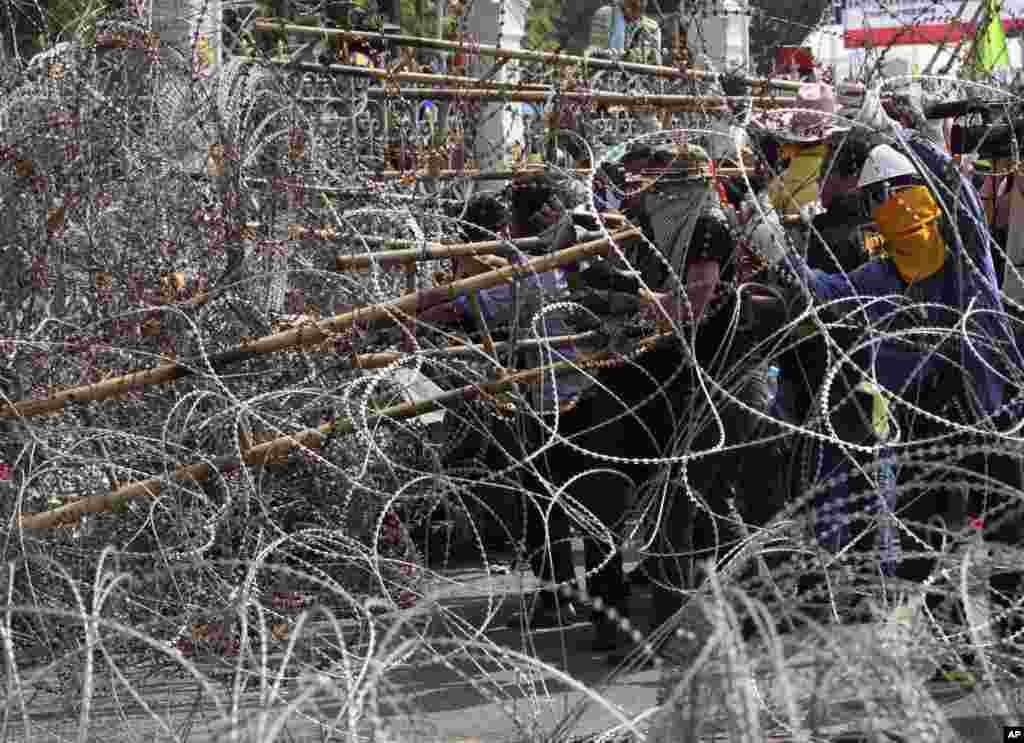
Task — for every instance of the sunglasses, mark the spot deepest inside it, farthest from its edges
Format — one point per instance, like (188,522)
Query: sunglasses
(873,197)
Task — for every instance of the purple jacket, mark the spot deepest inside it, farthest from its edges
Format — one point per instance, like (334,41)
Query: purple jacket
(873,295)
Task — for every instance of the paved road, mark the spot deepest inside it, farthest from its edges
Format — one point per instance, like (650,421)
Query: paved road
(472,694)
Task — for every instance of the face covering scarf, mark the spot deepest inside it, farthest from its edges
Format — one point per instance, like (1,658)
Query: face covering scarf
(798,185)
(673,217)
(909,223)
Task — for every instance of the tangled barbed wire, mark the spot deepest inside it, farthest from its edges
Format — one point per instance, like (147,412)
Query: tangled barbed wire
(253,477)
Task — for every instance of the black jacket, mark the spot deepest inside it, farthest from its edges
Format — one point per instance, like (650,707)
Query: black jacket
(841,229)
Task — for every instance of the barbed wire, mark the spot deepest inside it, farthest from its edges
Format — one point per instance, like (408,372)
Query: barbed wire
(241,467)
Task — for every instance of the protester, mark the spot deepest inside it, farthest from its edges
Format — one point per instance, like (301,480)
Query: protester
(803,133)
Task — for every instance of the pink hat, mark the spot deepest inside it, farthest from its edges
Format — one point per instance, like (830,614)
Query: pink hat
(815,120)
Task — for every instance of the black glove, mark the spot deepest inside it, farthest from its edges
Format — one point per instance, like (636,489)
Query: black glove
(385,331)
(604,304)
(585,221)
(603,276)
(615,174)
(733,84)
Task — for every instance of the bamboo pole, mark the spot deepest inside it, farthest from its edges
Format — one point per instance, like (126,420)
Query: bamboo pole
(629,101)
(311,334)
(420,78)
(481,323)
(480,175)
(382,359)
(501,175)
(527,55)
(436,251)
(472,174)
(272,451)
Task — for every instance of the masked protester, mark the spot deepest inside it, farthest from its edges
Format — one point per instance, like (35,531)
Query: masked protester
(836,241)
(692,235)
(803,134)
(989,365)
(915,286)
(856,409)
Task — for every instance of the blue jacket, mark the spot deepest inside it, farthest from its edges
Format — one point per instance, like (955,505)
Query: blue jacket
(971,284)
(967,283)
(869,297)
(874,294)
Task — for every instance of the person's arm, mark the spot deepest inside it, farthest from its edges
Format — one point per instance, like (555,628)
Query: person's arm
(768,241)
(445,312)
(601,275)
(873,278)
(433,306)
(702,278)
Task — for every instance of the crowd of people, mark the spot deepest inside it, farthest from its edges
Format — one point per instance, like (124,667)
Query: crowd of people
(872,264)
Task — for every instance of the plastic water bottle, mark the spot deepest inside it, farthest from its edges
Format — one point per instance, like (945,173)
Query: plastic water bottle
(773,380)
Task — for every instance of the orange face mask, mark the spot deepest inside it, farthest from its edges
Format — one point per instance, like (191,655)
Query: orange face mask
(909,223)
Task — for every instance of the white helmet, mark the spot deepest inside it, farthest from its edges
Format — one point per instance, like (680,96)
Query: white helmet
(883,164)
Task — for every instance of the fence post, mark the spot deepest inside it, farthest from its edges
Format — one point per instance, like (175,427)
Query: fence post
(500,126)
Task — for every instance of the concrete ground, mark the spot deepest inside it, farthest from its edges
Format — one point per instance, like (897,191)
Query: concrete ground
(545,678)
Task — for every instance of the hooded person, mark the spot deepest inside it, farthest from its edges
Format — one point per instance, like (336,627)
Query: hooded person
(536,211)
(686,266)
(666,203)
(539,206)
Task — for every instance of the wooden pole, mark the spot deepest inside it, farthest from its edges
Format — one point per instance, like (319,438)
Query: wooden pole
(419,78)
(477,175)
(274,450)
(481,323)
(436,252)
(385,358)
(311,334)
(500,175)
(549,58)
(472,174)
(598,98)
